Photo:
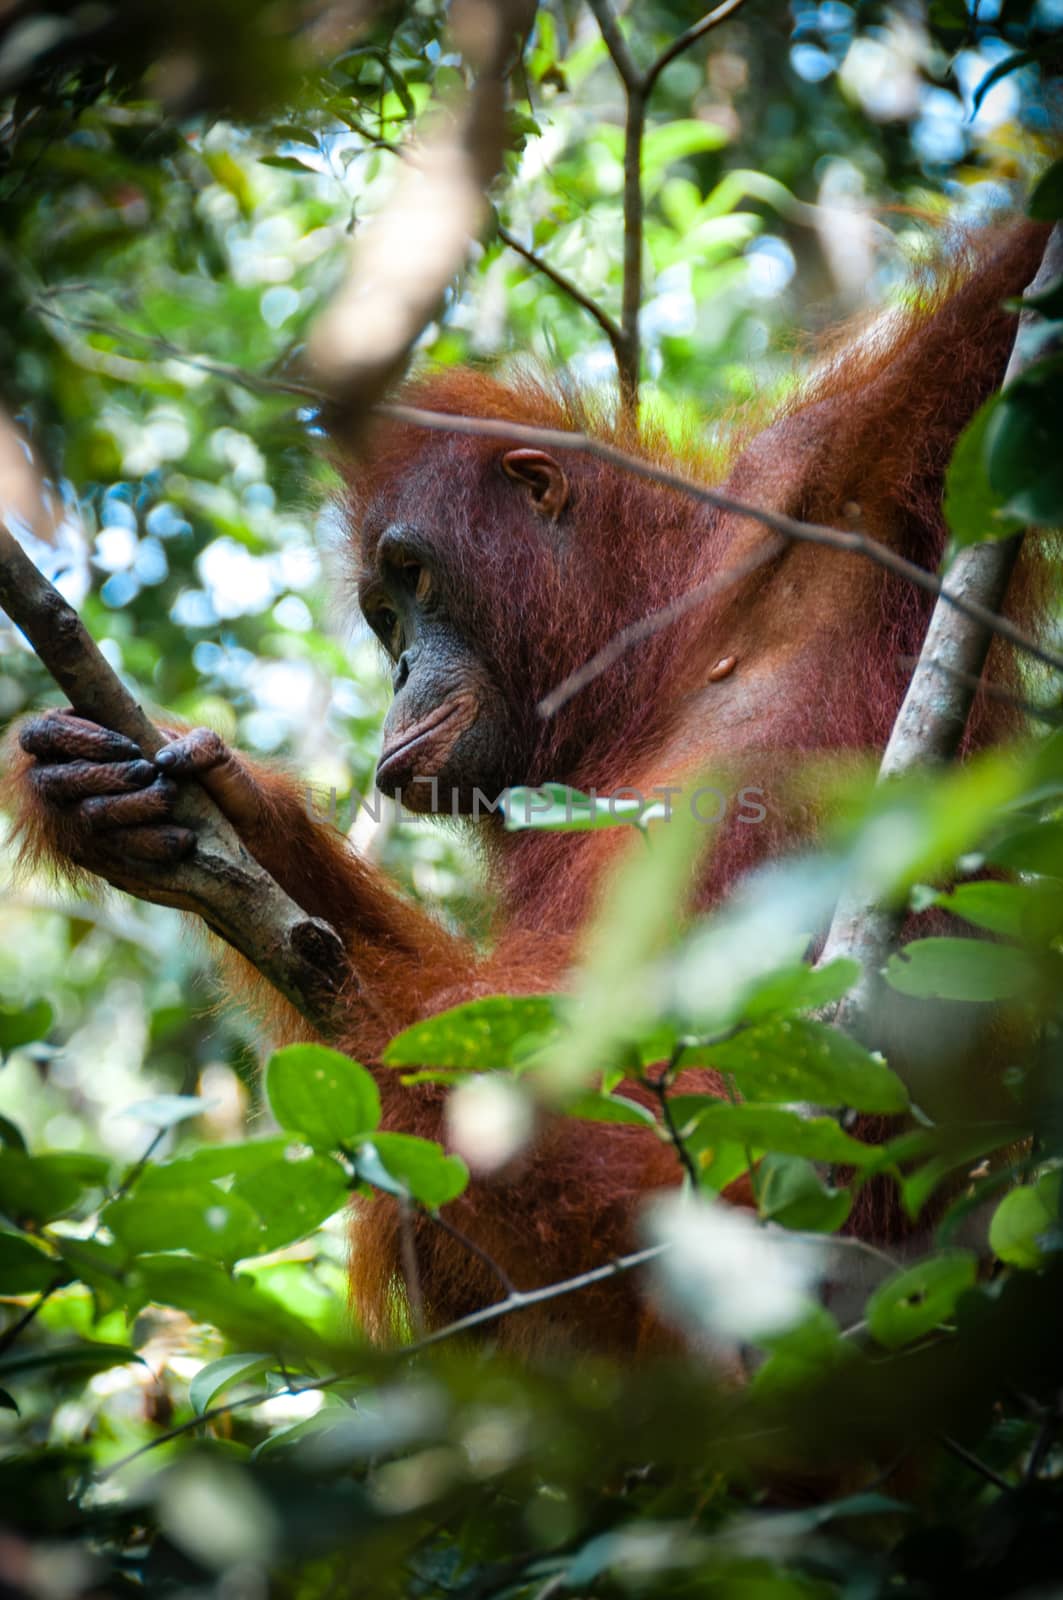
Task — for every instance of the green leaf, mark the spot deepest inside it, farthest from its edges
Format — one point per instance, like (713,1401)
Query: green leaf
(954,1148)
(216,1161)
(324,1096)
(796,1059)
(1024,463)
(292,1198)
(22,1025)
(8,1402)
(1025,1225)
(41,1188)
(915,1302)
(417,1167)
(802,1355)
(218,1375)
(914,829)
(773,1128)
(609,1108)
(167,1110)
(82,1359)
(800,988)
(555,808)
(791,1192)
(617,990)
(25,1269)
(1037,847)
(11,1136)
(208,1222)
(677,139)
(972,509)
(288,164)
(1003,908)
(1046,201)
(961,969)
(482,1035)
(235,1306)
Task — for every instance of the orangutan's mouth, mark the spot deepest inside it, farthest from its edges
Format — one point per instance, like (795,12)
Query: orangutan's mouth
(448,720)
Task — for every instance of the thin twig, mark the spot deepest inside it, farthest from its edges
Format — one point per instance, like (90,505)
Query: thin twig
(566,285)
(628,357)
(638,86)
(851,1241)
(17,1329)
(848,541)
(1042,1444)
(256,383)
(961,1453)
(410,1270)
(508,1286)
(660,1086)
(518,1301)
(616,44)
(691,36)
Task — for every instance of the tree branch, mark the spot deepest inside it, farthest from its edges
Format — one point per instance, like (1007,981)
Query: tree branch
(615,43)
(628,354)
(931,722)
(638,86)
(301,956)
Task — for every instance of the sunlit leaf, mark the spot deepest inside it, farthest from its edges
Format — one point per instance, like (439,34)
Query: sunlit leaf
(414,1166)
(22,1025)
(762,1127)
(1025,1228)
(796,1059)
(960,969)
(59,1360)
(24,1267)
(210,1380)
(211,1223)
(791,1192)
(166,1110)
(235,1306)
(292,1198)
(41,1188)
(324,1096)
(481,1035)
(919,1299)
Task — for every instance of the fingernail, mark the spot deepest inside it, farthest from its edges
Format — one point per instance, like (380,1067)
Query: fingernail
(165,758)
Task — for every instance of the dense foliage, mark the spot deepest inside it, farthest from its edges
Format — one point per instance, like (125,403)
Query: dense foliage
(185,1404)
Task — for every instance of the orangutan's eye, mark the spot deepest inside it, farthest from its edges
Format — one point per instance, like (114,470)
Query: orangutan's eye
(417,580)
(385,624)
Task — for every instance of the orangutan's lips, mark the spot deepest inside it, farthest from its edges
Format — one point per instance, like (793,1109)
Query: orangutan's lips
(420,734)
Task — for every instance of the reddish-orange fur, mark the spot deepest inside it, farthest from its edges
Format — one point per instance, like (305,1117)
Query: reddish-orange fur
(819,639)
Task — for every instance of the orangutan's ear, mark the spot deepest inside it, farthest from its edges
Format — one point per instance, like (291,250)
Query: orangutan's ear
(541,476)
